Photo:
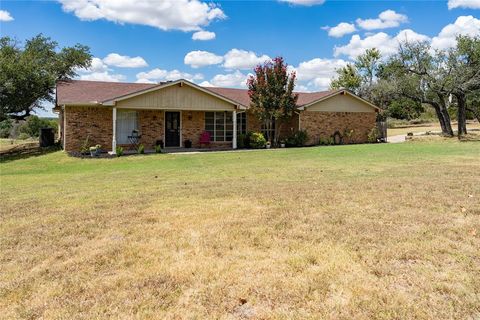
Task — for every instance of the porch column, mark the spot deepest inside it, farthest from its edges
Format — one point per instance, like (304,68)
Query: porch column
(114,131)
(234,139)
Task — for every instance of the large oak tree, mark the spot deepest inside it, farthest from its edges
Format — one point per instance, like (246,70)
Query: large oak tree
(28,73)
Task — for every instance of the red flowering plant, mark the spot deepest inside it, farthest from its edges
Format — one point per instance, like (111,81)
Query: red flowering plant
(272,98)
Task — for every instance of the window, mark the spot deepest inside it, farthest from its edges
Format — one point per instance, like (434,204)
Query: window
(126,123)
(241,123)
(220,125)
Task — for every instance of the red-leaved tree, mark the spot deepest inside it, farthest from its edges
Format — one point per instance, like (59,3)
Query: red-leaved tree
(271,95)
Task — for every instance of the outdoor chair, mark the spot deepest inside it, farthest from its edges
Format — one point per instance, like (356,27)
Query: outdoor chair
(205,139)
(134,139)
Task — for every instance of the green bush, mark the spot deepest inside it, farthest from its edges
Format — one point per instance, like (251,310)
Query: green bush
(23,136)
(141,149)
(257,140)
(33,124)
(5,128)
(373,135)
(119,151)
(158,148)
(297,139)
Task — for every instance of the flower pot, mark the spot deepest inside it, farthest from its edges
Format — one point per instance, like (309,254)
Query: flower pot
(282,145)
(267,146)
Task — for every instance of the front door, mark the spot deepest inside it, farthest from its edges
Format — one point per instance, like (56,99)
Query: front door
(172,129)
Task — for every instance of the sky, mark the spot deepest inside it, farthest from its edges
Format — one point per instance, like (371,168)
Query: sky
(217,43)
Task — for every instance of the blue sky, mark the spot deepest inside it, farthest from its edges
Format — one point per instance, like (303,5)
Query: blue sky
(152,41)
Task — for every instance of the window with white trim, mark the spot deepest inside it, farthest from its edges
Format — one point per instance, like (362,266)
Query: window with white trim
(220,125)
(127,122)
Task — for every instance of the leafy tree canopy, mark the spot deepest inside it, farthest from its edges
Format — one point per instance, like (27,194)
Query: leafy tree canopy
(271,94)
(28,74)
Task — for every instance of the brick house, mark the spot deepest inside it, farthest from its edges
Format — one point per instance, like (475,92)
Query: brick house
(173,112)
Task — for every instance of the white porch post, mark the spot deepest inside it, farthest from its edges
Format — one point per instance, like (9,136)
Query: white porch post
(234,139)
(114,131)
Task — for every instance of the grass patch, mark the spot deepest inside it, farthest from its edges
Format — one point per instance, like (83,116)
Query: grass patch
(363,231)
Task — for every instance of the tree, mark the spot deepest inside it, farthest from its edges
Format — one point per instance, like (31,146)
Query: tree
(28,74)
(473,104)
(463,74)
(347,78)
(418,74)
(271,95)
(367,65)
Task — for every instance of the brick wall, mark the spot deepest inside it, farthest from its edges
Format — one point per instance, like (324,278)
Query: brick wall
(151,127)
(254,124)
(325,124)
(92,122)
(193,124)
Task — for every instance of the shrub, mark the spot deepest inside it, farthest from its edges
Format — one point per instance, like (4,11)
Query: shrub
(141,149)
(301,138)
(158,148)
(119,151)
(373,135)
(297,139)
(247,139)
(257,140)
(241,141)
(23,136)
(5,128)
(84,149)
(33,124)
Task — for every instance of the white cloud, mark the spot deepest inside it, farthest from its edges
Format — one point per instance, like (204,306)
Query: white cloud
(103,76)
(304,2)
(206,84)
(315,74)
(382,41)
(467,4)
(156,75)
(114,59)
(203,35)
(341,29)
(197,59)
(97,65)
(5,16)
(185,15)
(242,59)
(386,19)
(236,79)
(464,25)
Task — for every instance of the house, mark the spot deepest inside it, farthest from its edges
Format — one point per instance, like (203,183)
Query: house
(173,112)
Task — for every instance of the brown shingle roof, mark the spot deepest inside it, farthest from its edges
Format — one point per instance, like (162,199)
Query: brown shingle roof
(81,91)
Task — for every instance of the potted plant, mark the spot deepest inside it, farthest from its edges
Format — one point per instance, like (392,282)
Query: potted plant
(282,143)
(187,143)
(95,150)
(268,145)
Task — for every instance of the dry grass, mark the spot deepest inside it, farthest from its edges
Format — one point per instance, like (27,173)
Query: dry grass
(427,127)
(364,232)
(7,144)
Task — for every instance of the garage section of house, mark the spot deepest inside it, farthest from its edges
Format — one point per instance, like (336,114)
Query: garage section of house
(179,112)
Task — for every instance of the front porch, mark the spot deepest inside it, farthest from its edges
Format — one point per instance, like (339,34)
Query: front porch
(175,130)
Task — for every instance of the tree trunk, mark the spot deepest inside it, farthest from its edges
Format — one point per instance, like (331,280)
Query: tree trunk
(461,114)
(443,126)
(445,116)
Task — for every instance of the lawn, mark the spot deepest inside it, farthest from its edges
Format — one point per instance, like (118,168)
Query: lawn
(387,231)
(6,144)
